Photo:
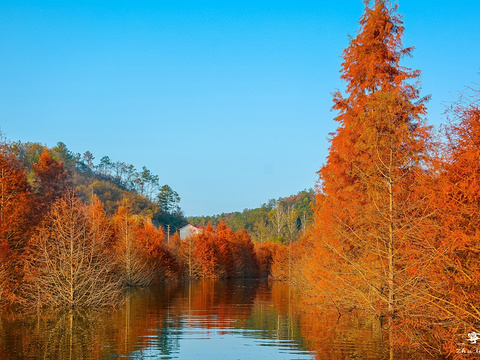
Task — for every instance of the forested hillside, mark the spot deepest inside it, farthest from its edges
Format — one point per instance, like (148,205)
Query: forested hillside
(278,220)
(74,234)
(114,182)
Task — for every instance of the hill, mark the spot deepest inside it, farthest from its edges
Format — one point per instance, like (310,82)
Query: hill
(114,182)
(278,220)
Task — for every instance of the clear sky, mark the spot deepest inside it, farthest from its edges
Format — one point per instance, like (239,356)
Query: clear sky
(227,101)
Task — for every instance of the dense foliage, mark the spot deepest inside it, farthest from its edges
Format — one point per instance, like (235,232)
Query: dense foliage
(393,224)
(49,170)
(281,221)
(395,228)
(74,234)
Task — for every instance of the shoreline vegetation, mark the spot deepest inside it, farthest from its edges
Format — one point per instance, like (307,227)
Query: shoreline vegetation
(390,231)
(61,252)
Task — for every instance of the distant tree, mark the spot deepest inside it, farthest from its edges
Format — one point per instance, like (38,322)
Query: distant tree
(149,183)
(27,153)
(168,200)
(105,166)
(128,173)
(291,223)
(169,214)
(261,231)
(52,179)
(110,194)
(278,219)
(62,154)
(85,163)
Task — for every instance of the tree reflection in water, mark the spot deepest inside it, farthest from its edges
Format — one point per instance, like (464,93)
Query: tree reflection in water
(206,319)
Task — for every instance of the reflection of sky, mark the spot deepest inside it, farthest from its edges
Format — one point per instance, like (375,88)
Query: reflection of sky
(248,333)
(217,343)
(206,320)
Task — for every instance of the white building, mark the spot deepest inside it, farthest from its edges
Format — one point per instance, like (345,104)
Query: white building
(188,230)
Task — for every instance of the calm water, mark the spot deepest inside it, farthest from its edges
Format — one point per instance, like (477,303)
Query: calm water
(203,320)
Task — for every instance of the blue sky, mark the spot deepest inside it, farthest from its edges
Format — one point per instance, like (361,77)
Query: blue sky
(227,101)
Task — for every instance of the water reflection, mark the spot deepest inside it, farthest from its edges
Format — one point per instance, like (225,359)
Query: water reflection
(203,320)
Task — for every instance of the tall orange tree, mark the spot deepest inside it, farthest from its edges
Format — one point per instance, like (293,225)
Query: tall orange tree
(368,214)
(15,208)
(206,253)
(225,241)
(186,257)
(455,274)
(246,263)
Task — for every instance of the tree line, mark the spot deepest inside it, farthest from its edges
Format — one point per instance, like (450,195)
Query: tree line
(395,225)
(112,181)
(60,250)
(278,220)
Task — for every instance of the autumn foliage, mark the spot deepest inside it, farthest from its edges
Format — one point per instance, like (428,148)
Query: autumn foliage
(15,209)
(218,253)
(454,274)
(70,264)
(395,230)
(51,180)
(366,216)
(57,251)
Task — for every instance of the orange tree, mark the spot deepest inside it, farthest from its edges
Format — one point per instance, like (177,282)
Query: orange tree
(70,263)
(51,180)
(246,262)
(159,257)
(132,265)
(225,243)
(206,254)
(15,208)
(368,215)
(454,276)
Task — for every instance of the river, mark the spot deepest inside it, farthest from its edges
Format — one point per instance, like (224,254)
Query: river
(209,319)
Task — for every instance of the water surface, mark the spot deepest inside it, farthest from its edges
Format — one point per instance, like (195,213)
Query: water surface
(234,319)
